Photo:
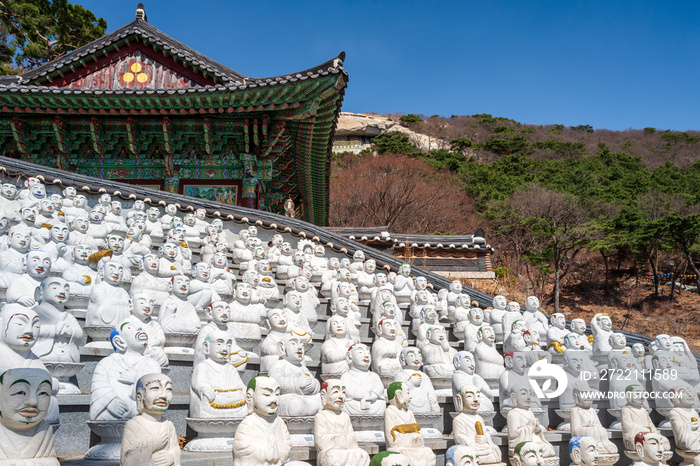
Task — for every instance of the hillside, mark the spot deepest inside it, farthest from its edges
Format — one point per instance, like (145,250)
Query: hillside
(593,220)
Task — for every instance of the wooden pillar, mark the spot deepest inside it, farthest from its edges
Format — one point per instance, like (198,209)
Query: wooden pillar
(250,193)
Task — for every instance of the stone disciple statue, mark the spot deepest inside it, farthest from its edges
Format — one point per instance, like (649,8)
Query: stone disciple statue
(334,436)
(114,378)
(684,420)
(364,389)
(583,451)
(142,309)
(334,349)
(218,314)
(468,427)
(523,426)
(26,437)
(109,302)
(177,315)
(635,419)
(386,349)
(148,438)
(650,449)
(401,431)
(60,334)
(262,438)
(424,399)
(584,421)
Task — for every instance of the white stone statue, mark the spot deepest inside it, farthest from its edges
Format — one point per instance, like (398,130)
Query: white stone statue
(684,420)
(470,327)
(684,361)
(556,333)
(216,389)
(424,399)
(401,431)
(386,349)
(462,455)
(419,300)
(534,318)
(26,437)
(601,326)
(428,319)
(300,390)
(79,274)
(19,243)
(273,251)
(498,312)
(451,298)
(578,326)
(277,323)
(438,354)
(267,287)
(148,281)
(514,338)
(112,396)
(334,350)
(109,302)
(403,285)
(489,362)
(246,316)
(154,227)
(262,437)
(60,335)
(365,391)
(222,278)
(584,421)
(649,448)
(638,356)
(309,301)
(177,315)
(284,260)
(469,428)
(635,418)
(583,451)
(36,266)
(464,374)
(148,438)
(201,291)
(334,436)
(343,308)
(523,426)
(515,376)
(142,308)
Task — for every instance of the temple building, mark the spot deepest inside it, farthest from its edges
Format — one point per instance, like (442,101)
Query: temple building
(140,107)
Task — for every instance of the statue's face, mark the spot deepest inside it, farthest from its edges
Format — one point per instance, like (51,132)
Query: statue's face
(112,272)
(219,259)
(57,291)
(344,275)
(333,263)
(156,395)
(200,214)
(47,207)
(9,190)
(476,316)
(25,395)
(456,286)
(171,209)
(299,258)
(430,313)
(653,448)
(294,350)
(664,342)
(38,191)
(344,263)
(59,233)
(4,222)
(404,396)
(57,201)
(360,357)
(531,455)
(190,220)
(286,248)
(134,336)
(664,361)
(150,263)
(387,329)
(277,320)
(578,326)
(81,225)
(488,334)
(135,230)
(422,297)
(513,307)
(344,289)
(380,279)
(573,341)
(635,396)
(96,215)
(319,250)
(252,278)
(220,312)
(532,302)
(169,250)
(414,358)
(153,214)
(338,326)
(70,192)
(253,230)
(333,397)
(28,214)
(437,335)
(573,362)
(388,309)
(518,326)
(38,264)
(82,253)
(685,398)
(219,346)
(105,199)
(606,323)
(244,292)
(499,302)
(466,363)
(519,363)
(532,338)
(471,400)
(293,300)
(638,350)
(21,328)
(202,271)
(266,396)
(177,234)
(139,205)
(583,398)
(115,243)
(558,320)
(264,268)
(342,307)
(521,397)
(618,340)
(405,270)
(359,256)
(626,362)
(80,201)
(678,348)
(181,285)
(20,240)
(116,207)
(142,307)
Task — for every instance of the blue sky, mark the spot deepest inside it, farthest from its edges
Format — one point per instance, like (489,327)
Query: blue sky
(609,64)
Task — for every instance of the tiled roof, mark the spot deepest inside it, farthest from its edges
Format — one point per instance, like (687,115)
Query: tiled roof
(401,240)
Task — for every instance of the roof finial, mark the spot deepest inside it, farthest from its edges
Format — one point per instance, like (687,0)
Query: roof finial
(141,12)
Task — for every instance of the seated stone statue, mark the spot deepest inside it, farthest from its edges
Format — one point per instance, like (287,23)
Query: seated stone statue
(36,266)
(246,315)
(222,278)
(438,354)
(267,287)
(216,390)
(534,318)
(470,327)
(79,274)
(343,308)
(583,451)
(334,436)
(514,339)
(114,378)
(464,374)
(60,334)
(365,391)
(177,315)
(684,420)
(299,389)
(428,317)
(334,350)
(277,323)
(578,326)
(489,362)
(262,437)
(601,326)
(26,437)
(635,419)
(556,333)
(309,301)
(386,349)
(650,449)
(468,428)
(201,292)
(142,310)
(401,431)
(218,315)
(515,376)
(584,421)
(522,424)
(424,399)
(297,321)
(109,302)
(148,438)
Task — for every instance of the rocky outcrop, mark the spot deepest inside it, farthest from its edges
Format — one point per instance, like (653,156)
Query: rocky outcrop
(362,128)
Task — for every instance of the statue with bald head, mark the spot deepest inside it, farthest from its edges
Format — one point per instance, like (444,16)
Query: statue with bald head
(148,438)
(469,427)
(583,451)
(26,437)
